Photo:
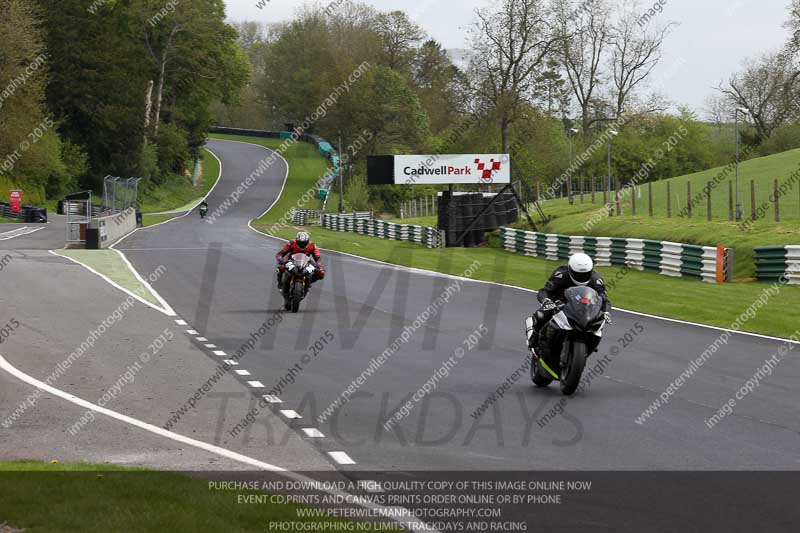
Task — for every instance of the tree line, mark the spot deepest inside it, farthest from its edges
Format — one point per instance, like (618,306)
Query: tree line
(124,89)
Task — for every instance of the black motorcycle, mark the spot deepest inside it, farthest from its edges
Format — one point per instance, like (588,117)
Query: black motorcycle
(203,211)
(297,278)
(568,339)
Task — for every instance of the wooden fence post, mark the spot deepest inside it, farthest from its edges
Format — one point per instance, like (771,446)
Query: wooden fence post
(633,201)
(777,202)
(753,215)
(689,197)
(583,187)
(594,186)
(605,189)
(669,200)
(619,198)
(650,196)
(708,194)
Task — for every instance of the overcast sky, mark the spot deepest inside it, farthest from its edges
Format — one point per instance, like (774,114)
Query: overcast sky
(713,37)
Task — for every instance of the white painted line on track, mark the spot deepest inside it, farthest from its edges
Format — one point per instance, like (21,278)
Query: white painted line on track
(5,365)
(291,415)
(19,232)
(313,433)
(243,372)
(210,345)
(272,399)
(191,332)
(341,458)
(201,339)
(167,309)
(220,353)
(256,384)
(181,322)
(231,362)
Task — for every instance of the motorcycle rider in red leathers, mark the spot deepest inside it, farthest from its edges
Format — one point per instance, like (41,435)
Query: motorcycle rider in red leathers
(300,245)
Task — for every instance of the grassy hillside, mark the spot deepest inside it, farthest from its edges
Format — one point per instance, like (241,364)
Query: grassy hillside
(697,230)
(762,170)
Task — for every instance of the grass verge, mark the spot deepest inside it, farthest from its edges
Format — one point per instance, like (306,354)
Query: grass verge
(99,498)
(110,264)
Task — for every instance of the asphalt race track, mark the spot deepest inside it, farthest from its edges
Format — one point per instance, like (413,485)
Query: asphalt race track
(220,279)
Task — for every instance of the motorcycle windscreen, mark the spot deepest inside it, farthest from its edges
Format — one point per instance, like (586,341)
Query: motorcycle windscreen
(300,260)
(583,306)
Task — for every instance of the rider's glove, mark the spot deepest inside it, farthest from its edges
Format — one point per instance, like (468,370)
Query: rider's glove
(281,262)
(607,317)
(548,305)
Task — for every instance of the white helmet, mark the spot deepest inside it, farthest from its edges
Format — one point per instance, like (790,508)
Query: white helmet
(580,269)
(302,239)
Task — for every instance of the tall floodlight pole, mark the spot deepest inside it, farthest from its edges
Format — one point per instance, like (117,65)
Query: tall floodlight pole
(738,203)
(571,135)
(341,177)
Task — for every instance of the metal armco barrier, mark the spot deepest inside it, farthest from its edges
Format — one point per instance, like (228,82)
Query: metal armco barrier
(430,237)
(773,263)
(703,263)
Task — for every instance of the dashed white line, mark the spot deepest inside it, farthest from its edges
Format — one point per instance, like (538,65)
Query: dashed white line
(313,433)
(231,362)
(211,345)
(243,372)
(256,384)
(220,353)
(341,458)
(272,399)
(201,339)
(181,322)
(191,332)
(291,415)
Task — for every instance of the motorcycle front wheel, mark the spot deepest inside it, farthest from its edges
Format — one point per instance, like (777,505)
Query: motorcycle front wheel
(571,376)
(297,296)
(538,376)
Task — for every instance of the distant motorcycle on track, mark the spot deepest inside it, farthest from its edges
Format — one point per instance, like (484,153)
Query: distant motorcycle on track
(568,339)
(203,210)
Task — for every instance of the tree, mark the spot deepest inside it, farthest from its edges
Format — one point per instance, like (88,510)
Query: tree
(509,46)
(637,49)
(439,85)
(769,89)
(400,36)
(36,165)
(794,26)
(584,34)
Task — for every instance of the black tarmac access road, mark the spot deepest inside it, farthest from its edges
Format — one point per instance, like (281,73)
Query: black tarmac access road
(220,280)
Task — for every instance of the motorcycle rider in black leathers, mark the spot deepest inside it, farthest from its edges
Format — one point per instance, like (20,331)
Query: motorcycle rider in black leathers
(579,272)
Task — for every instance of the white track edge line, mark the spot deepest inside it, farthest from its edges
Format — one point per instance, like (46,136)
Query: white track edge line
(8,367)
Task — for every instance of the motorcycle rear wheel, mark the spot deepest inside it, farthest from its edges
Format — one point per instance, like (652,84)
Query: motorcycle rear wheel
(571,376)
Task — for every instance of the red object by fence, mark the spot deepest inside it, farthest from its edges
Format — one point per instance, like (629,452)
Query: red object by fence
(16,201)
